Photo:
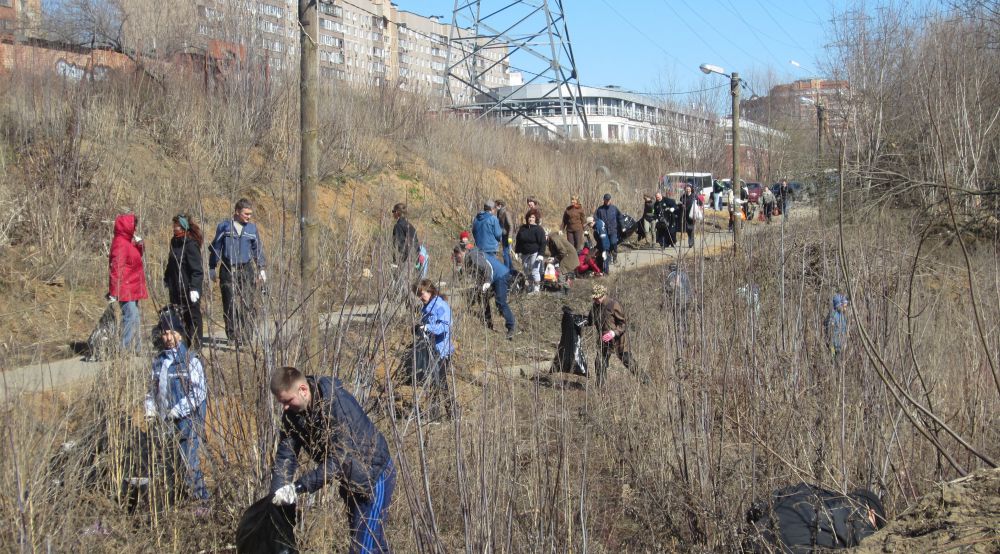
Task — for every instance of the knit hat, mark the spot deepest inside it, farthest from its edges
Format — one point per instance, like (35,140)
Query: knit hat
(169,321)
(599,291)
(464,235)
(489,205)
(590,220)
(607,196)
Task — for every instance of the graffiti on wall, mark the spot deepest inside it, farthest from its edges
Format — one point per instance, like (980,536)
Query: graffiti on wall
(74,72)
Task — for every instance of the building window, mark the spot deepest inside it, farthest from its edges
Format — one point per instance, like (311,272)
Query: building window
(595,130)
(613,132)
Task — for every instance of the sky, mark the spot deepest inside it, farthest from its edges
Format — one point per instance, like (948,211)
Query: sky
(656,46)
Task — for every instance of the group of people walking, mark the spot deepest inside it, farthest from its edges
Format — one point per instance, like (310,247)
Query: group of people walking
(663,218)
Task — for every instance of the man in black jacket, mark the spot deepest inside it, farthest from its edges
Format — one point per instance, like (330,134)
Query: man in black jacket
(322,417)
(404,238)
(665,214)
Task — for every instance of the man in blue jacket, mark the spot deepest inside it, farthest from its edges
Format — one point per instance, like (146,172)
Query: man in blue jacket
(489,275)
(486,229)
(614,223)
(237,248)
(322,417)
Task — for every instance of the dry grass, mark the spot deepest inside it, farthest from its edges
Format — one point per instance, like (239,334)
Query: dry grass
(746,403)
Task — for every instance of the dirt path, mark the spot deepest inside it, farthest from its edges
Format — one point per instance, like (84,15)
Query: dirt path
(61,373)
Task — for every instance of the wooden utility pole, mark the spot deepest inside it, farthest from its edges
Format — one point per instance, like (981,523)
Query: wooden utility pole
(308,174)
(734,89)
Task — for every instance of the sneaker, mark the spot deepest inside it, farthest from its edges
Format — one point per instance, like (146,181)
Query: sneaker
(511,333)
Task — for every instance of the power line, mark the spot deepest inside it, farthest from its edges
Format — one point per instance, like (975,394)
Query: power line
(644,35)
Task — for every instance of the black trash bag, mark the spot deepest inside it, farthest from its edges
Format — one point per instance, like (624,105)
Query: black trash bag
(418,360)
(104,339)
(569,355)
(629,226)
(517,283)
(267,529)
(803,518)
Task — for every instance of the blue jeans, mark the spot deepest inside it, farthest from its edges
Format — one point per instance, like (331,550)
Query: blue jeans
(500,296)
(366,514)
(130,326)
(506,255)
(189,432)
(717,200)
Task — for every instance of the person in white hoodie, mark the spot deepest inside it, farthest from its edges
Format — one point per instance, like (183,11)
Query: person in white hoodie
(178,397)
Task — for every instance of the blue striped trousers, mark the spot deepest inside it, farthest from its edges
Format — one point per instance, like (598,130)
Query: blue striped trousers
(367,515)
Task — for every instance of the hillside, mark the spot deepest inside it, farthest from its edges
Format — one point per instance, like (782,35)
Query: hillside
(743,398)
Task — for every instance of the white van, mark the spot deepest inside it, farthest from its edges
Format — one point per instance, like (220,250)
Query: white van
(701,182)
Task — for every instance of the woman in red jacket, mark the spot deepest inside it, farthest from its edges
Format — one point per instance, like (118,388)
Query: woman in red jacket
(126,278)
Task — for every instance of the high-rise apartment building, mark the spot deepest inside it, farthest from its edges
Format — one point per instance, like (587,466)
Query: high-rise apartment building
(362,42)
(18,18)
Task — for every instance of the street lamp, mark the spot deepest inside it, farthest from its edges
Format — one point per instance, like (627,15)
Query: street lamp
(820,117)
(734,90)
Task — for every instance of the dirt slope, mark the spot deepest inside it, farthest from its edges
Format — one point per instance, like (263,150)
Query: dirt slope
(961,516)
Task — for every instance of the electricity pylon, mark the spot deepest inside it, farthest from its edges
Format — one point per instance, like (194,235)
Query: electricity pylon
(529,37)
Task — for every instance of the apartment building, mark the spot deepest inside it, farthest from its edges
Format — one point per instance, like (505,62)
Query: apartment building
(797,101)
(360,42)
(18,18)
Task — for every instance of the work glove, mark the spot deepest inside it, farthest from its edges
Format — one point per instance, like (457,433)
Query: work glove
(211,274)
(136,239)
(510,240)
(394,266)
(194,296)
(111,299)
(174,414)
(608,337)
(486,287)
(284,496)
(419,328)
(263,276)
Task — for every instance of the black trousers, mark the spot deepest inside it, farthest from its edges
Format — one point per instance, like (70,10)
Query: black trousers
(239,300)
(604,356)
(190,313)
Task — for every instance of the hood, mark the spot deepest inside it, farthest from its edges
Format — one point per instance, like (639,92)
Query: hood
(482,215)
(839,300)
(125,225)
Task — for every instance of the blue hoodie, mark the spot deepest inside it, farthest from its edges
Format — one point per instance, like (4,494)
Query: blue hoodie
(487,232)
(836,324)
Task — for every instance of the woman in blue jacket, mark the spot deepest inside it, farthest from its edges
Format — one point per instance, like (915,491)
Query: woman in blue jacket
(435,325)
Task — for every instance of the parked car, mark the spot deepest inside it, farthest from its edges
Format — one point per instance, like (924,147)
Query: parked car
(754,190)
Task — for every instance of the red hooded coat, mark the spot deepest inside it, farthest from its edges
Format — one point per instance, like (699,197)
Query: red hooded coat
(126,278)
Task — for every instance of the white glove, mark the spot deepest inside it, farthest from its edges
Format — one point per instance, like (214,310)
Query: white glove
(136,239)
(211,274)
(112,298)
(486,287)
(393,266)
(174,413)
(284,496)
(194,296)
(263,276)
(150,408)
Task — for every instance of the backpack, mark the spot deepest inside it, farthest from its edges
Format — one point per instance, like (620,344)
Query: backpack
(801,518)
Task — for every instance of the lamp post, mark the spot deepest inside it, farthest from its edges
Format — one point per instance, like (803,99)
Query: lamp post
(734,91)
